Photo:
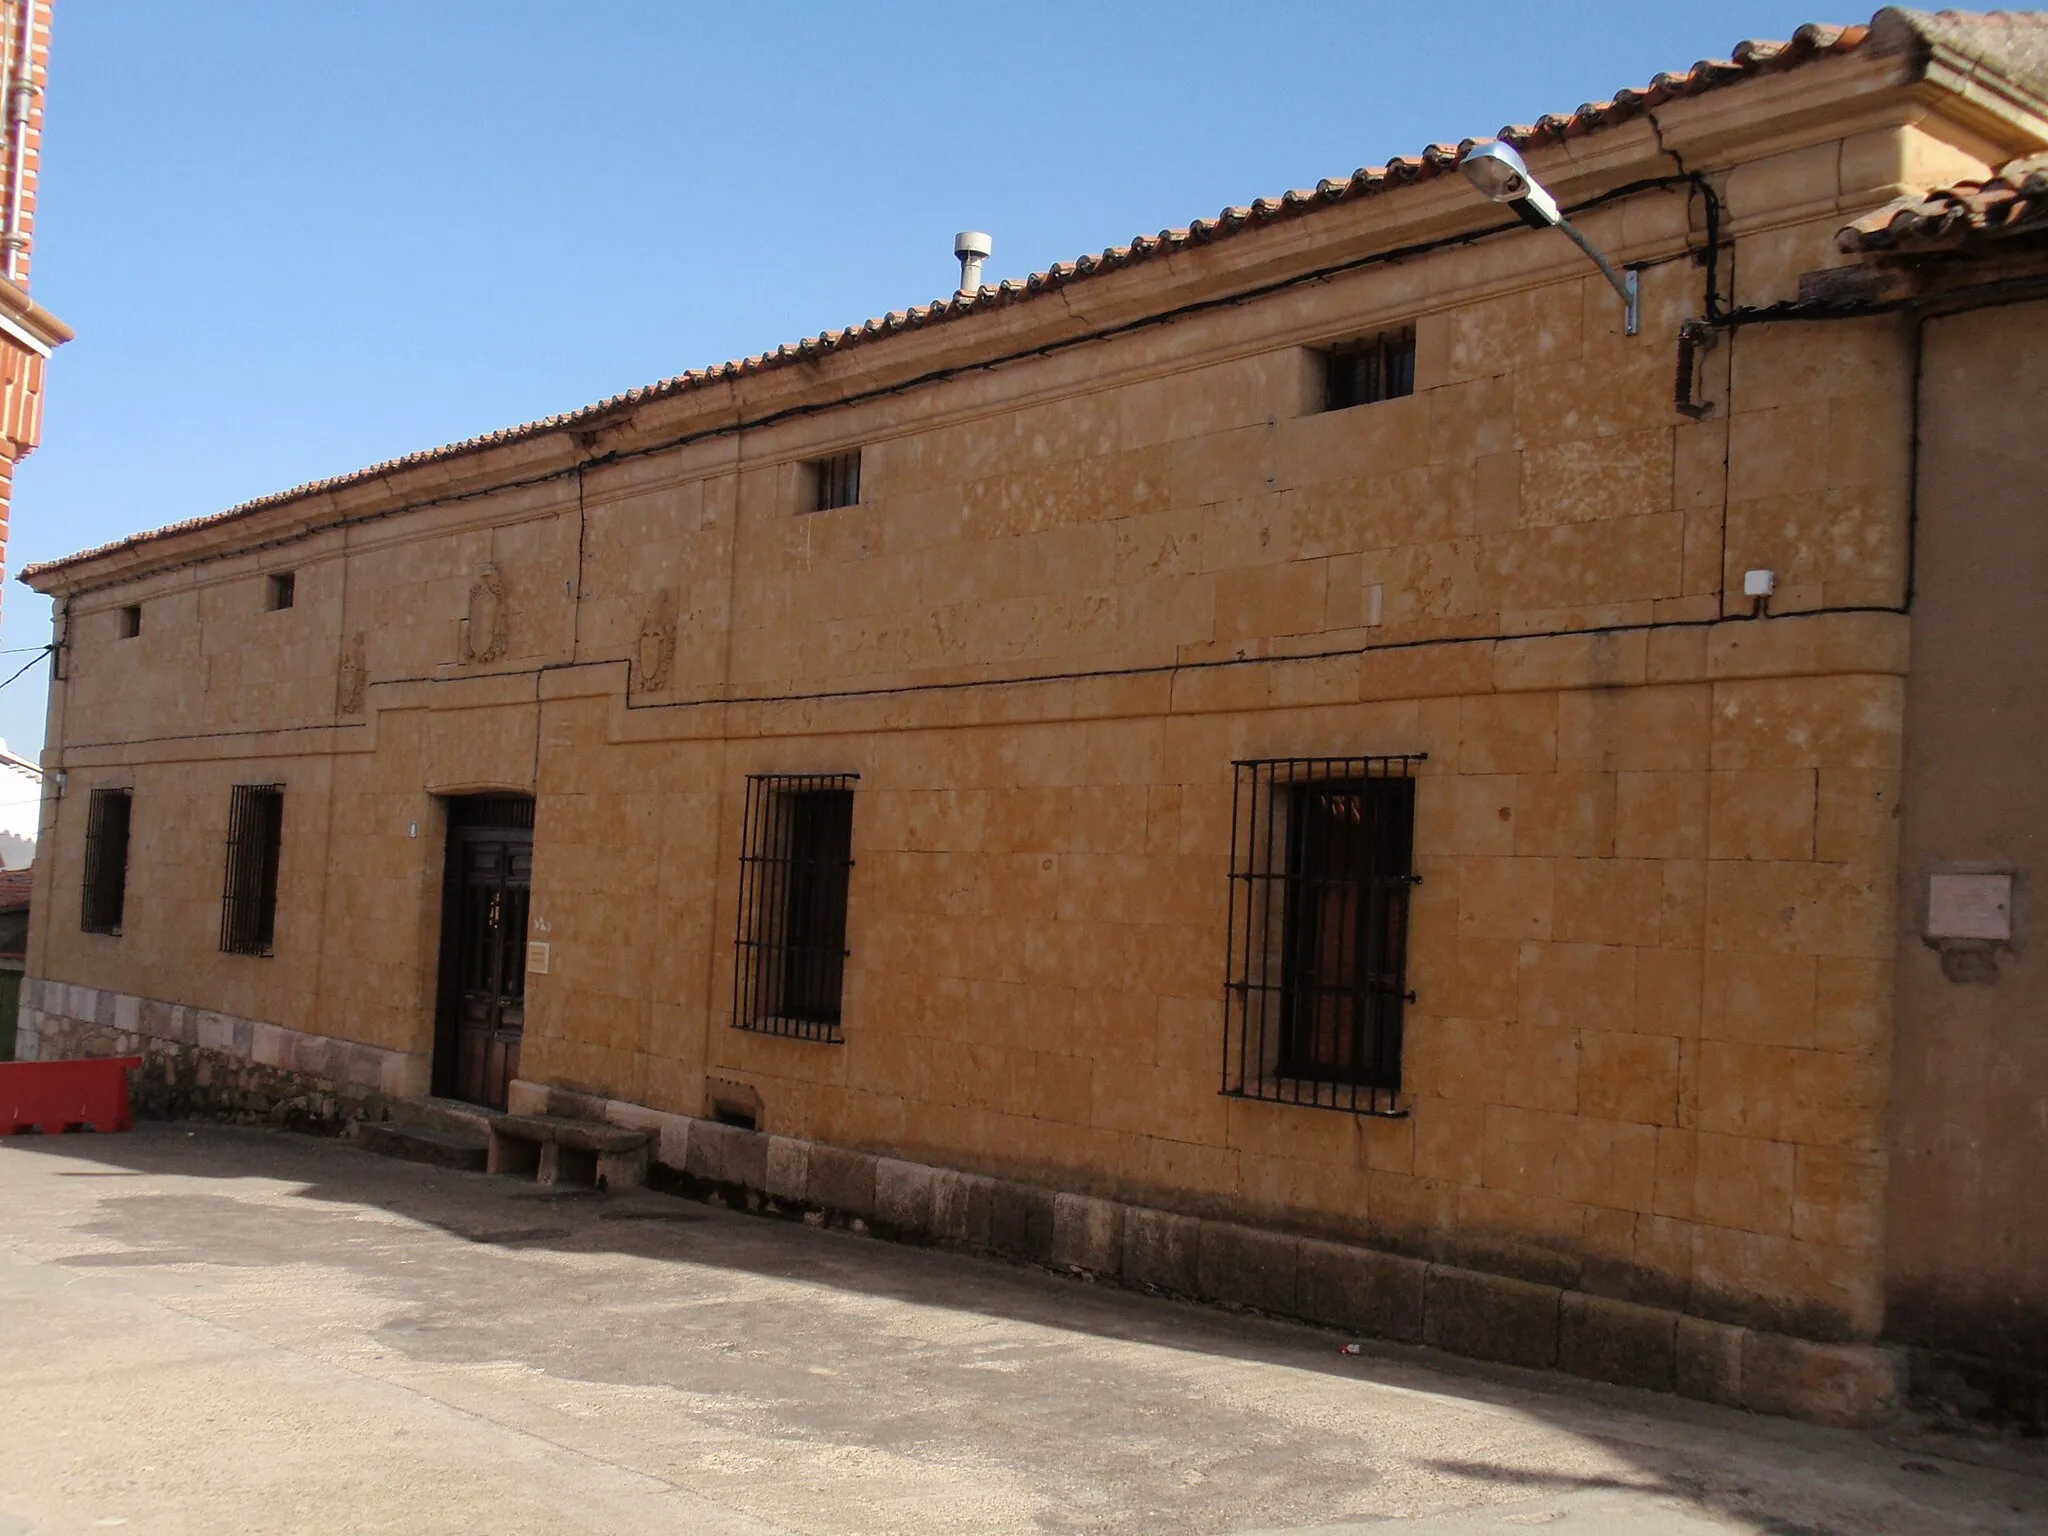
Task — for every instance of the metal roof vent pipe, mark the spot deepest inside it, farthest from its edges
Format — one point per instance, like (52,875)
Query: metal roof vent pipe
(973,248)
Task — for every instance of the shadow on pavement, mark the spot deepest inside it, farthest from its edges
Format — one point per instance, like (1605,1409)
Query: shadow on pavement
(451,1310)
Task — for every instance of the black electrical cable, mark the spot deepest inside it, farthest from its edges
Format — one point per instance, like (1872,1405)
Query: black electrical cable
(41,651)
(1923,308)
(1987,295)
(1027,680)
(1709,256)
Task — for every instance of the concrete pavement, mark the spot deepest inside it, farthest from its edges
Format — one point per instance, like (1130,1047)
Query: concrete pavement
(205,1329)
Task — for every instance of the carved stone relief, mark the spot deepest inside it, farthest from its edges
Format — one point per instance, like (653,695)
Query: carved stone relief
(657,649)
(354,679)
(484,634)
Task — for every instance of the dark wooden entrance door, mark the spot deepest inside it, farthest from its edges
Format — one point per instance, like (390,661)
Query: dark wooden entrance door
(483,947)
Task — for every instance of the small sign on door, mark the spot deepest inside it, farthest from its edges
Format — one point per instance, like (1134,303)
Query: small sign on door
(536,959)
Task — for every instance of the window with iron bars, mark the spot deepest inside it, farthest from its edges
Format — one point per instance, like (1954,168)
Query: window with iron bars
(106,860)
(1366,372)
(1321,868)
(796,861)
(835,482)
(248,906)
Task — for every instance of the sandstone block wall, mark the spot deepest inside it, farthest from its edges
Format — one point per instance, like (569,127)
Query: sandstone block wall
(1652,950)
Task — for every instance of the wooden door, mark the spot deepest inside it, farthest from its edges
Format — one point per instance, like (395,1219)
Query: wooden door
(483,995)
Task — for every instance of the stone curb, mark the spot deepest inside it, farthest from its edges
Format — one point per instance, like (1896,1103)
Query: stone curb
(1338,1285)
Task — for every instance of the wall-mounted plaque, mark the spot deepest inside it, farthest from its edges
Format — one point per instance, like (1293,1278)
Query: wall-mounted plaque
(1970,907)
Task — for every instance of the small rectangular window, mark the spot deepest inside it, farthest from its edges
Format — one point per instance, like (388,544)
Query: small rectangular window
(794,872)
(835,482)
(106,860)
(248,908)
(1366,372)
(281,588)
(1321,870)
(130,621)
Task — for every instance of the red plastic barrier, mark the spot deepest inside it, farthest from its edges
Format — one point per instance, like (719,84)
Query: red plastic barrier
(55,1096)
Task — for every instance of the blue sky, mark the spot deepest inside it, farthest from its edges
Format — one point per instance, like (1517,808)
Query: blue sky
(299,236)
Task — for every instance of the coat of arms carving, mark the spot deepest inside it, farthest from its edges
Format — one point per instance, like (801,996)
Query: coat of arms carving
(484,632)
(656,653)
(354,680)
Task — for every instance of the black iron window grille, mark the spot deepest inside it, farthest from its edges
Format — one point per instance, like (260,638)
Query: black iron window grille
(512,811)
(835,482)
(1366,372)
(106,860)
(1321,868)
(248,906)
(795,863)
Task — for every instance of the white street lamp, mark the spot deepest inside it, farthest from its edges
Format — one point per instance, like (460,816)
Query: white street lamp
(1499,173)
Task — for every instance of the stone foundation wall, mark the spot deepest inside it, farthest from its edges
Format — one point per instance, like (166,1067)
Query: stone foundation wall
(196,1062)
(1361,1290)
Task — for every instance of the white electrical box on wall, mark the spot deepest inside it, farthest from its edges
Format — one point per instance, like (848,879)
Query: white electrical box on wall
(1759,583)
(1962,906)
(1971,914)
(536,959)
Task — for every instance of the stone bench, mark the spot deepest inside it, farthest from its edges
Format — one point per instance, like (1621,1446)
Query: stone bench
(561,1151)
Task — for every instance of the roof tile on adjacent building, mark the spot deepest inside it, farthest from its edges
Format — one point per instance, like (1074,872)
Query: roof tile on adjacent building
(2012,203)
(1895,29)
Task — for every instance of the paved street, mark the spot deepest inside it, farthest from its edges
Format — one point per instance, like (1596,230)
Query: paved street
(213,1330)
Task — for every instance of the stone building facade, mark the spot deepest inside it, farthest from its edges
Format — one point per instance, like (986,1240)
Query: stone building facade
(1033,590)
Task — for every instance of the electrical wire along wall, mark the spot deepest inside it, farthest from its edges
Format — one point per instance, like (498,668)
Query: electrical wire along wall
(791,941)
(1321,869)
(248,905)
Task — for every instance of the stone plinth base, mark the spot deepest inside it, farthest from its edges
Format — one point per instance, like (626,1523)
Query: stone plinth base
(1361,1290)
(197,1062)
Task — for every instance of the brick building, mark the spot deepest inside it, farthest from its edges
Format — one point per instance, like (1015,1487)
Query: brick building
(1300,760)
(28,333)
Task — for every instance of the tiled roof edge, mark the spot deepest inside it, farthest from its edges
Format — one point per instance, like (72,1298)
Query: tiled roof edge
(1749,59)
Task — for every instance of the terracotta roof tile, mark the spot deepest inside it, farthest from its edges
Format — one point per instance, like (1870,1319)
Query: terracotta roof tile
(1749,59)
(2014,202)
(15,886)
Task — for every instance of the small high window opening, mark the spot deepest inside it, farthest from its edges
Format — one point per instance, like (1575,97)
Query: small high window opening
(281,588)
(129,621)
(248,908)
(798,858)
(106,860)
(1321,870)
(835,482)
(1366,372)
